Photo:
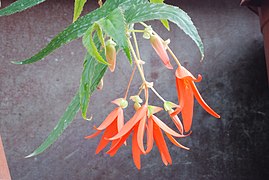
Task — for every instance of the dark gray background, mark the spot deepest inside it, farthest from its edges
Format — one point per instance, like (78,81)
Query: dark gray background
(33,97)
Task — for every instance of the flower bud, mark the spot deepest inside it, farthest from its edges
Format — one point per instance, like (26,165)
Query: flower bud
(111,54)
(158,45)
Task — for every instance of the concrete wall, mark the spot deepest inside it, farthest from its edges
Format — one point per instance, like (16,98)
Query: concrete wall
(33,97)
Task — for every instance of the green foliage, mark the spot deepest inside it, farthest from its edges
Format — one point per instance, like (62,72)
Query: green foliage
(18,6)
(109,20)
(78,7)
(91,76)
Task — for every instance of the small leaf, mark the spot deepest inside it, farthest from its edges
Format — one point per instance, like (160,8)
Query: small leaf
(89,44)
(91,76)
(78,7)
(165,24)
(114,25)
(146,12)
(18,6)
(164,21)
(62,124)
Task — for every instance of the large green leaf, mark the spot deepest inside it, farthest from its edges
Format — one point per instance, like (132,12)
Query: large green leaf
(115,26)
(91,76)
(78,28)
(147,12)
(79,4)
(62,124)
(18,6)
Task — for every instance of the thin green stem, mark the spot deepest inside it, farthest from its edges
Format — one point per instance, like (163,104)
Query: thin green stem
(136,61)
(137,30)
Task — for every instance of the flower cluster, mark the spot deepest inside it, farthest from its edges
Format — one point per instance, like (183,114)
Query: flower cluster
(145,126)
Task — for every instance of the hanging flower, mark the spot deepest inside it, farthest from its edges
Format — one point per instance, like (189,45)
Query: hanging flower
(137,124)
(111,125)
(158,45)
(186,91)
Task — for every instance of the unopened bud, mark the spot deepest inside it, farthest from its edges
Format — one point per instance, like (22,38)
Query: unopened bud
(111,54)
(158,45)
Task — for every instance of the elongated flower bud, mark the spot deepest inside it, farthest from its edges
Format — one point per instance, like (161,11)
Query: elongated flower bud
(111,54)
(159,47)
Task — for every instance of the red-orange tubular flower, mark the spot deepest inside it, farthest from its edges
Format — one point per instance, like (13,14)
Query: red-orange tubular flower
(158,45)
(137,124)
(186,91)
(111,125)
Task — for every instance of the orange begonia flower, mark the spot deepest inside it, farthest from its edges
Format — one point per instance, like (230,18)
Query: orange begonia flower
(159,47)
(137,124)
(186,91)
(111,126)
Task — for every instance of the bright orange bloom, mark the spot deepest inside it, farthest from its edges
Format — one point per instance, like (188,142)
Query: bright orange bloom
(159,47)
(137,124)
(186,91)
(111,126)
(155,127)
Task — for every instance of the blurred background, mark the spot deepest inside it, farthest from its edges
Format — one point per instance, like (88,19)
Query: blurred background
(33,97)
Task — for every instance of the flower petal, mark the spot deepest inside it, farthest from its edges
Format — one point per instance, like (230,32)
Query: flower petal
(165,128)
(93,135)
(187,110)
(202,102)
(135,149)
(113,150)
(109,119)
(183,73)
(140,134)
(109,132)
(178,123)
(131,123)
(149,135)
(170,137)
(161,144)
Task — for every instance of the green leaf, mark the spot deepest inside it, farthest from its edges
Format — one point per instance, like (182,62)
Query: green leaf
(165,24)
(79,4)
(91,76)
(18,6)
(62,124)
(148,12)
(164,21)
(90,44)
(78,28)
(114,25)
